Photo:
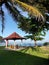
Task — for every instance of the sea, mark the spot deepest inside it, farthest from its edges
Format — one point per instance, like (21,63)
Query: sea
(21,44)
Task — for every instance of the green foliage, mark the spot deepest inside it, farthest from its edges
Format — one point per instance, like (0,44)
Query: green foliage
(46,43)
(32,10)
(1,39)
(44,3)
(32,37)
(38,21)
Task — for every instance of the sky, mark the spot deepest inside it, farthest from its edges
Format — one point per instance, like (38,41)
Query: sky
(11,26)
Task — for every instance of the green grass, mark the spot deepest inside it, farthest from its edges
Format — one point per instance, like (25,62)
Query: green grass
(28,56)
(36,51)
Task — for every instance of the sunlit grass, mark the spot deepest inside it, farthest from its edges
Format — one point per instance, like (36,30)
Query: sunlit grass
(36,52)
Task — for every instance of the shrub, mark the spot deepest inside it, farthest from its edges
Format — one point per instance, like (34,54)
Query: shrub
(46,43)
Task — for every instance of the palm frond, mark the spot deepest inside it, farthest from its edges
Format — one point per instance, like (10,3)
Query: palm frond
(2,19)
(12,10)
(15,13)
(32,10)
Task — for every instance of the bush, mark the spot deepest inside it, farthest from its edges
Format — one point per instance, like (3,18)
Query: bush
(46,43)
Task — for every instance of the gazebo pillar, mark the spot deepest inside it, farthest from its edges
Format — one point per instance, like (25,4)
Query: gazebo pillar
(6,43)
(21,41)
(14,44)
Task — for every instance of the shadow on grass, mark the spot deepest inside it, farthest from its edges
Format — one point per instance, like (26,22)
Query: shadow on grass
(18,58)
(25,49)
(33,49)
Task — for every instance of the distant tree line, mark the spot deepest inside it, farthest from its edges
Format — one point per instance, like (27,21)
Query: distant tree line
(1,39)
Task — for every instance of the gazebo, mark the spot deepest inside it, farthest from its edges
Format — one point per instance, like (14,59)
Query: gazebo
(14,36)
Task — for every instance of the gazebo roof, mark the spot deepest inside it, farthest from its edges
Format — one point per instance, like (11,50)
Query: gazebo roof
(14,36)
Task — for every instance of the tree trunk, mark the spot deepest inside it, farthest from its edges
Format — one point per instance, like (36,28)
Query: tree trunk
(35,42)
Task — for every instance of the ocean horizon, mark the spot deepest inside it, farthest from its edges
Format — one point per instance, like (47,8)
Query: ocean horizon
(22,44)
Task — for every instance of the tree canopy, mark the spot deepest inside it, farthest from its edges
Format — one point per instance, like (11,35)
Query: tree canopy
(10,4)
(33,26)
(37,22)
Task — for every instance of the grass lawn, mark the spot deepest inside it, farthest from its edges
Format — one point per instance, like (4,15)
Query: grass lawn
(28,56)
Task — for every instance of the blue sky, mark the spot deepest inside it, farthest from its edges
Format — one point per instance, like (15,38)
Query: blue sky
(11,26)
